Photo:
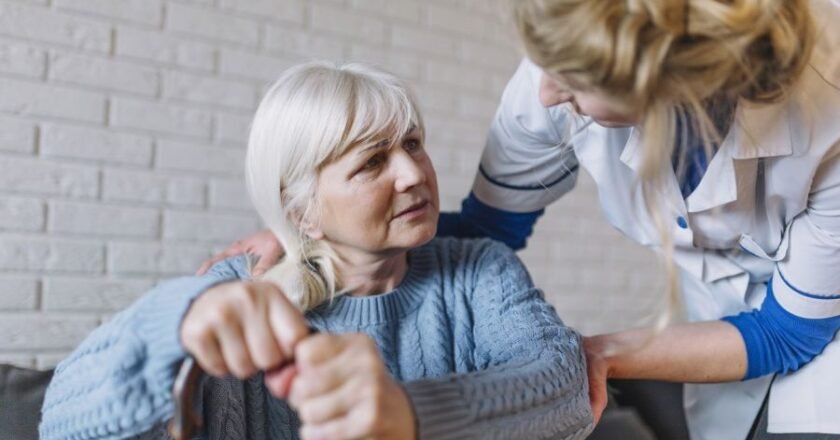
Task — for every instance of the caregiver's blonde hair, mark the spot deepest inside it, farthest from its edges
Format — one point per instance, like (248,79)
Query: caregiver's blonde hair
(311,115)
(675,62)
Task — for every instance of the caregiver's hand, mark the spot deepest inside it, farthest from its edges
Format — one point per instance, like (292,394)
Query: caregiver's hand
(597,369)
(343,391)
(263,244)
(240,328)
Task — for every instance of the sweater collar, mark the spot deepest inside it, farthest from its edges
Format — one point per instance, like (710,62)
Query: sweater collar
(388,306)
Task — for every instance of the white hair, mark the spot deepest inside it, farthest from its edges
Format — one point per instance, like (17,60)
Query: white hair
(311,115)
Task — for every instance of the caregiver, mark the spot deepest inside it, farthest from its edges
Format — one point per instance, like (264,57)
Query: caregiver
(711,130)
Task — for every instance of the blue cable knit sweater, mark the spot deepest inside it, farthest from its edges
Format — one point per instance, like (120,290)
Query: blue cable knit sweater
(479,352)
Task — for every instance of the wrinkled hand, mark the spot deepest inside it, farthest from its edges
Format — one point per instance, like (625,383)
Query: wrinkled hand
(343,391)
(263,244)
(240,328)
(597,370)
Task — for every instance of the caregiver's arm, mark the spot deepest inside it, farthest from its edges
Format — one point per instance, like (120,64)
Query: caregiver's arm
(527,163)
(263,245)
(118,382)
(801,314)
(531,381)
(698,352)
(798,318)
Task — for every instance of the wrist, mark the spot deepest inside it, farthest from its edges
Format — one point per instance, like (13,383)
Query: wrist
(600,349)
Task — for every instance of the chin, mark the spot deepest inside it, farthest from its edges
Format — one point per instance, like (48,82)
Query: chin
(420,235)
(426,235)
(613,124)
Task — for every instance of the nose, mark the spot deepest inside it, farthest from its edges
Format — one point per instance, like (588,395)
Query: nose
(408,171)
(551,93)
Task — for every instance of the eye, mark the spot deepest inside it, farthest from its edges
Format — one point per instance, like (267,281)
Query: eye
(374,162)
(412,144)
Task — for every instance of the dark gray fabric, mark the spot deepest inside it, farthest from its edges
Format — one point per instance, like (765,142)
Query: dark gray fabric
(658,404)
(621,423)
(642,410)
(21,395)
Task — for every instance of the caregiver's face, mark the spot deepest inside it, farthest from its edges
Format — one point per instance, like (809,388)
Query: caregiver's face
(380,198)
(558,89)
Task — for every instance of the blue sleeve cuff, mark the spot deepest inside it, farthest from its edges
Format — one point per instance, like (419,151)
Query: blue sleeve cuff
(778,341)
(477,219)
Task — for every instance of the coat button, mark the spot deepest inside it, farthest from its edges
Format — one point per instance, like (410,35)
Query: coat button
(681,222)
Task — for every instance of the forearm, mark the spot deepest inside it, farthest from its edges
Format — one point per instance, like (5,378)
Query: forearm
(701,352)
(118,382)
(531,373)
(489,404)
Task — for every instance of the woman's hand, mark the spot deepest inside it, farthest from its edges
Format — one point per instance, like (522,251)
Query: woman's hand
(343,391)
(263,244)
(598,371)
(240,328)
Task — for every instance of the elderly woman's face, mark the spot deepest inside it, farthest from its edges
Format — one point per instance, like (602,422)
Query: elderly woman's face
(380,198)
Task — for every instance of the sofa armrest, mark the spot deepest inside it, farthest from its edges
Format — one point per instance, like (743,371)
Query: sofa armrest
(21,395)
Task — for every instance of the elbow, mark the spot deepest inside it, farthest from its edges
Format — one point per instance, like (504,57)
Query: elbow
(799,352)
(777,341)
(515,243)
(569,368)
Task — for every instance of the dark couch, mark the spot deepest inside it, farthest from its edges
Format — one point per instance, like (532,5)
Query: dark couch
(21,394)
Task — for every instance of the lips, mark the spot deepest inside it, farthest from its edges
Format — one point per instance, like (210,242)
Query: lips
(419,205)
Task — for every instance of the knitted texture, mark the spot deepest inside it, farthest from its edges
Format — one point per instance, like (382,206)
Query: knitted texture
(478,350)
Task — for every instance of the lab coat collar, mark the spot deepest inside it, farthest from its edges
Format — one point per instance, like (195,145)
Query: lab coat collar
(759,131)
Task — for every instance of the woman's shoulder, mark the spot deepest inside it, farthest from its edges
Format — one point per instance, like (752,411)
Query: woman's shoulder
(467,249)
(471,257)
(236,267)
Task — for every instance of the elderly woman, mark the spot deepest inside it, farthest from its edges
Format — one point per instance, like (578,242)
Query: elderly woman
(418,337)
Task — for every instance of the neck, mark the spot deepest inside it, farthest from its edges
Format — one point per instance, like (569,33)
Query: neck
(369,274)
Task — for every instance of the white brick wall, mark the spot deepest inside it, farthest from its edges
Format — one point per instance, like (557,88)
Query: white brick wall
(122,133)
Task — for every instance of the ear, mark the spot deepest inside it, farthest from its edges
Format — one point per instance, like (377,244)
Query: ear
(307,225)
(311,230)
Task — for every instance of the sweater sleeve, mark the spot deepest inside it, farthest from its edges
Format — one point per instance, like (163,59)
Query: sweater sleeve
(118,382)
(532,378)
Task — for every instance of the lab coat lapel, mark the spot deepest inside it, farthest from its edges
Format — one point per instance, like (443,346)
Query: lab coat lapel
(632,156)
(759,131)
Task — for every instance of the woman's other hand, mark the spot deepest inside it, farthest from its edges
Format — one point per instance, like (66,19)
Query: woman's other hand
(240,328)
(598,371)
(263,244)
(343,391)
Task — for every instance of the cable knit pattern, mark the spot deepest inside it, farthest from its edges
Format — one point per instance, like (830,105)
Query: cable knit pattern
(478,350)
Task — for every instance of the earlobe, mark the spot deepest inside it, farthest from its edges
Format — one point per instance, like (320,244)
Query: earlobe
(303,221)
(311,231)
